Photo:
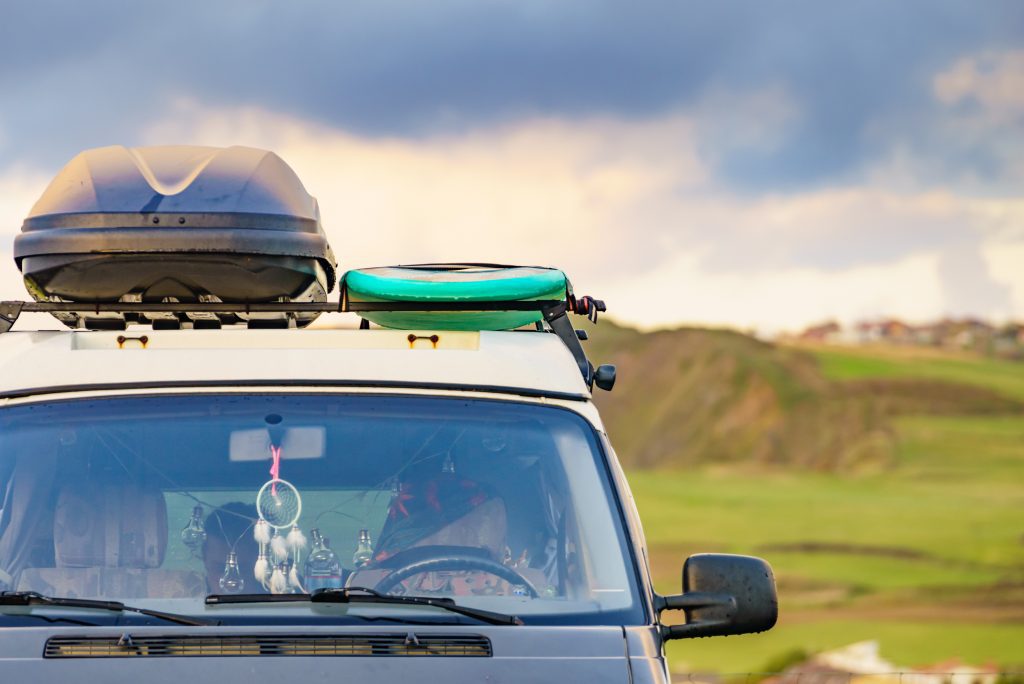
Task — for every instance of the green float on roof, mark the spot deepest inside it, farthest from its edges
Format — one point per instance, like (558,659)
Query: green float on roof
(454,283)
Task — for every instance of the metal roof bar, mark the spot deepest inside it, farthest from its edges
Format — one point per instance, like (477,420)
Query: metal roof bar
(554,313)
(272,307)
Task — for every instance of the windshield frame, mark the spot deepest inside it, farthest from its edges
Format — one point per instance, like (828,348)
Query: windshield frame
(636,615)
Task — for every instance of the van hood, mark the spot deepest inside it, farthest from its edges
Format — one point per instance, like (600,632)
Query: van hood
(158,655)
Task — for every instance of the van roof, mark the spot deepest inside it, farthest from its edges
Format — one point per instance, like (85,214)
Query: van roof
(516,362)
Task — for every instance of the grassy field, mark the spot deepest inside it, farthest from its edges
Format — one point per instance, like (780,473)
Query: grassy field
(852,363)
(905,642)
(926,555)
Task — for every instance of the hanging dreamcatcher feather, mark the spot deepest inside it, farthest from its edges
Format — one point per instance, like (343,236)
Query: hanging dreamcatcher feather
(261,531)
(279,548)
(296,539)
(278,581)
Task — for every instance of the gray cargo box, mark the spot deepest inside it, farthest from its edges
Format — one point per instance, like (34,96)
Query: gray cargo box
(176,224)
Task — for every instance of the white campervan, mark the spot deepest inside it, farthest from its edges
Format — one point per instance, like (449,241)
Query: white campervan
(194,487)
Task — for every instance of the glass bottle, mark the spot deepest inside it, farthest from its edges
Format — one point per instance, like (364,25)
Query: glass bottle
(231,581)
(364,550)
(322,569)
(194,534)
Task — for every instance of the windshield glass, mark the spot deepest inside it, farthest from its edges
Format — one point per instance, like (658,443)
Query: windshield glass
(161,500)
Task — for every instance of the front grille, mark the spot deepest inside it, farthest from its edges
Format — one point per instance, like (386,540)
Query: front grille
(264,645)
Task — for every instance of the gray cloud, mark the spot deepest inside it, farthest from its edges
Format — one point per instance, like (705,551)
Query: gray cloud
(79,75)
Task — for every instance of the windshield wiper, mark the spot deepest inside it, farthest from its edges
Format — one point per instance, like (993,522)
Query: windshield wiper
(365,595)
(34,598)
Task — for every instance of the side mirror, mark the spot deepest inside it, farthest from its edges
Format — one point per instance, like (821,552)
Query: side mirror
(604,377)
(722,594)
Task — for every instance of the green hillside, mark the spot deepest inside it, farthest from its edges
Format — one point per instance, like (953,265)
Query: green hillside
(693,396)
(885,486)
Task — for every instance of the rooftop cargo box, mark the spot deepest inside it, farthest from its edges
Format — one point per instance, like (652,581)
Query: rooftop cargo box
(176,224)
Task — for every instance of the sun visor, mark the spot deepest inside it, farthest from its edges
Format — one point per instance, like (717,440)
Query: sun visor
(176,224)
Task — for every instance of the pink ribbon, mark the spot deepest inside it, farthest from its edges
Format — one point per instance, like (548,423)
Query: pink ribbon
(275,468)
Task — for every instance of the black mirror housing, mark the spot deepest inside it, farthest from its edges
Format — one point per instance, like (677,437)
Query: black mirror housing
(604,377)
(723,594)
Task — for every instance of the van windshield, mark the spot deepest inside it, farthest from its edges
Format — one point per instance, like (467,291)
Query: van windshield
(162,500)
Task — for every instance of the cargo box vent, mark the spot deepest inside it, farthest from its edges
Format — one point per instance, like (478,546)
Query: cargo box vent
(269,645)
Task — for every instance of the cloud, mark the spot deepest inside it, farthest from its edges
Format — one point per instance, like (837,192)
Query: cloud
(853,87)
(1004,260)
(981,123)
(542,191)
(992,81)
(968,287)
(20,187)
(783,299)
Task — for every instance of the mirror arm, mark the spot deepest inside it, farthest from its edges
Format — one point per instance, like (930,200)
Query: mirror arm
(693,599)
(690,601)
(693,629)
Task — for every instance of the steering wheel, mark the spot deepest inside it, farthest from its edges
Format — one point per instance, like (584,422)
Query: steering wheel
(454,563)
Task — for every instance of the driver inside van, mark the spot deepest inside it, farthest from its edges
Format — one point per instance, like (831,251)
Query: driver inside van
(443,515)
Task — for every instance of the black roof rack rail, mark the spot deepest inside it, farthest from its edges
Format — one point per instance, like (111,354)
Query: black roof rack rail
(555,316)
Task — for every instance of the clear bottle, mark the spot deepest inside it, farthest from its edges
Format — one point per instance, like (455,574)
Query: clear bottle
(322,569)
(364,550)
(194,533)
(231,581)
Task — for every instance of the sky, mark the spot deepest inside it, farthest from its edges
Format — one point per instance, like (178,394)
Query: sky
(759,165)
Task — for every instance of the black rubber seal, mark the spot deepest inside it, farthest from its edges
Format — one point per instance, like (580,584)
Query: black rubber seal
(319,382)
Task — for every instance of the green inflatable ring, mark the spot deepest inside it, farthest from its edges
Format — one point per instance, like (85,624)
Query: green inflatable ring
(454,284)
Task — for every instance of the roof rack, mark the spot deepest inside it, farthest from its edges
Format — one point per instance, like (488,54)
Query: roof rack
(554,312)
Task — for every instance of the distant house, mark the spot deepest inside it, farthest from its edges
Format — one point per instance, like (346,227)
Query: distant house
(965,333)
(1008,341)
(970,333)
(884,330)
(973,334)
(824,332)
(933,333)
(868,331)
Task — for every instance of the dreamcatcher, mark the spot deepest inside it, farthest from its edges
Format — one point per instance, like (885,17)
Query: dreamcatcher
(277,532)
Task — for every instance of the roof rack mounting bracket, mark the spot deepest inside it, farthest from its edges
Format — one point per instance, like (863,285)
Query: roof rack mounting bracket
(9,312)
(557,317)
